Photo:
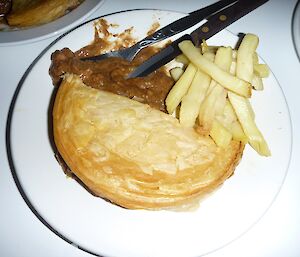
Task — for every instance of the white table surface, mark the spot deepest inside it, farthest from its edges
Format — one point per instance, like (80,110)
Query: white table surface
(276,234)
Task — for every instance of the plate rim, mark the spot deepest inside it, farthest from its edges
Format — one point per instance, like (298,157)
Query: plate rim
(10,152)
(66,26)
(296,29)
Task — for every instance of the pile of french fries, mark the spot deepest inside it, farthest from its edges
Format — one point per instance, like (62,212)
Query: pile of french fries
(212,91)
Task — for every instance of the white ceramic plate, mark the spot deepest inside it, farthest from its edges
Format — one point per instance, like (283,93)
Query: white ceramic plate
(51,29)
(102,228)
(296,29)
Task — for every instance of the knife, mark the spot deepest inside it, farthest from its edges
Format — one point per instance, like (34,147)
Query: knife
(170,30)
(185,22)
(214,24)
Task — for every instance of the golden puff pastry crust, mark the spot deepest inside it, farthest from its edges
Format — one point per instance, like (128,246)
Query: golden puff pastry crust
(26,13)
(133,155)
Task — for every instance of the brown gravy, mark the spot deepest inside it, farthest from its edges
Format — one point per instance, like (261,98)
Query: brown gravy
(111,74)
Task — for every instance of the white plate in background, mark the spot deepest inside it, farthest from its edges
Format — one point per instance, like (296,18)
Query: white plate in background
(100,227)
(296,28)
(54,28)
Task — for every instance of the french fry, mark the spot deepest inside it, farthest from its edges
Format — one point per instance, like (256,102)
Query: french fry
(238,132)
(224,78)
(191,102)
(213,83)
(223,58)
(229,120)
(221,101)
(209,56)
(207,48)
(207,110)
(255,58)
(182,59)
(257,82)
(234,54)
(261,70)
(180,88)
(205,84)
(215,101)
(250,109)
(246,50)
(232,69)
(228,116)
(255,138)
(204,46)
(220,134)
(176,73)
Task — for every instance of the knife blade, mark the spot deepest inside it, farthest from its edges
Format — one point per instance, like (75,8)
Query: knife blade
(214,24)
(171,29)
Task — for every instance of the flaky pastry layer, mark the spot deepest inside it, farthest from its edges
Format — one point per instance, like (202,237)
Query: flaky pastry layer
(133,155)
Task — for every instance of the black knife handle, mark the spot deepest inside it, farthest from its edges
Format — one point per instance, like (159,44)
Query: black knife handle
(182,24)
(215,23)
(224,18)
